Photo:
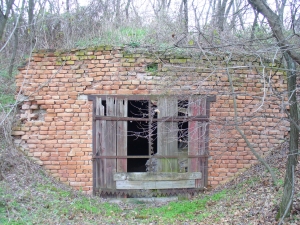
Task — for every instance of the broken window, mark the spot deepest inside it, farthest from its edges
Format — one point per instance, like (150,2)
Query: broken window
(149,142)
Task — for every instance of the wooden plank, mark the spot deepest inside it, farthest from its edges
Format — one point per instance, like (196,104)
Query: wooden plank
(95,182)
(147,156)
(203,142)
(197,136)
(156,176)
(96,163)
(111,148)
(101,143)
(125,184)
(122,107)
(167,134)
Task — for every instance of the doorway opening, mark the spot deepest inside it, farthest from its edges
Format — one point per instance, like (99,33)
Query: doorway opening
(141,135)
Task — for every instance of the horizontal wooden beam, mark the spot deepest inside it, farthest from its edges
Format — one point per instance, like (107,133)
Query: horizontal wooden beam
(138,176)
(164,119)
(209,98)
(126,184)
(147,156)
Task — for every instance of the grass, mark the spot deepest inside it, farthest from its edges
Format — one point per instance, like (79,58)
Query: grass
(182,210)
(6,89)
(30,196)
(49,203)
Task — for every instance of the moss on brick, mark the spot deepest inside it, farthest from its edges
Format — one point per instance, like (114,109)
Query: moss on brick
(58,53)
(82,57)
(126,55)
(65,58)
(92,57)
(108,48)
(80,53)
(177,60)
(70,62)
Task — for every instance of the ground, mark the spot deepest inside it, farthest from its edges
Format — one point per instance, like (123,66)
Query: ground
(29,196)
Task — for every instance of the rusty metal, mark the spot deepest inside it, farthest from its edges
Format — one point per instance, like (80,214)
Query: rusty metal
(147,193)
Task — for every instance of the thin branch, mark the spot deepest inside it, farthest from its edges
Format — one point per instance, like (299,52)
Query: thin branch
(259,158)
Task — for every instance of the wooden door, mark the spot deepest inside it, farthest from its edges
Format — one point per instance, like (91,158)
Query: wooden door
(198,139)
(111,140)
(110,146)
(167,134)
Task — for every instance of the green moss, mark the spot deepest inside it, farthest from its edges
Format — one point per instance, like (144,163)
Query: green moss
(152,68)
(65,58)
(80,53)
(92,57)
(58,53)
(82,57)
(177,60)
(100,48)
(108,48)
(126,55)
(70,62)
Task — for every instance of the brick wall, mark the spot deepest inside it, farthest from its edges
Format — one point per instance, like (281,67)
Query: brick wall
(55,125)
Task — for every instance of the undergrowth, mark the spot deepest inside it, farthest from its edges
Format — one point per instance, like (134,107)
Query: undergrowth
(29,196)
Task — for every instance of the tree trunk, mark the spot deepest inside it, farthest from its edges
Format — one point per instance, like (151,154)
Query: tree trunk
(127,9)
(276,26)
(186,16)
(15,49)
(4,16)
(291,56)
(287,198)
(221,14)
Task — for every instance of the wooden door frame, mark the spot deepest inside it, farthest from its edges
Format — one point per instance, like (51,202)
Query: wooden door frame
(147,97)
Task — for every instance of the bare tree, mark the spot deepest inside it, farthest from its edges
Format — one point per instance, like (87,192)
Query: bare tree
(221,13)
(291,56)
(186,16)
(5,10)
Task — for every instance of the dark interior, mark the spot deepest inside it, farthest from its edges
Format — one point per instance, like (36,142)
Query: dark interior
(138,136)
(182,126)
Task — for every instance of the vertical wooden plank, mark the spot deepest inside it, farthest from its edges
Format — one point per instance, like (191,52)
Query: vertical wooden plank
(193,136)
(99,169)
(95,181)
(103,141)
(204,142)
(167,134)
(122,107)
(197,138)
(96,163)
(111,148)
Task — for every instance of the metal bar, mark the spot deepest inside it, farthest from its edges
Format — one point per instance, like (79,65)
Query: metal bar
(164,119)
(146,156)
